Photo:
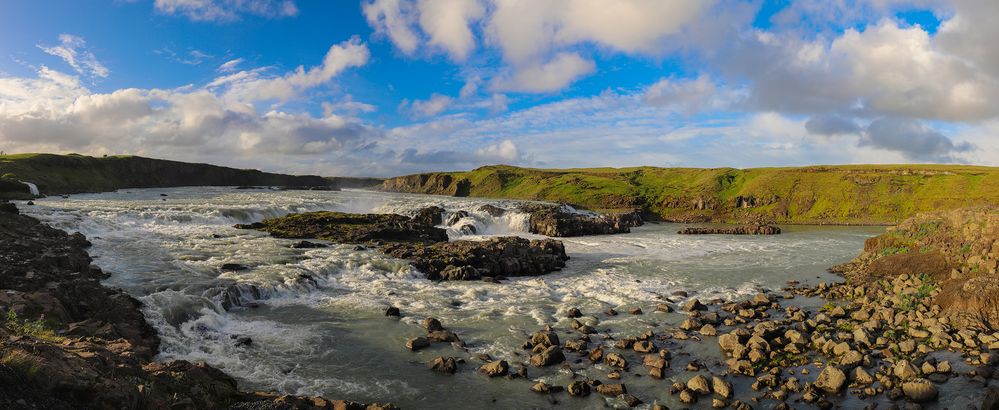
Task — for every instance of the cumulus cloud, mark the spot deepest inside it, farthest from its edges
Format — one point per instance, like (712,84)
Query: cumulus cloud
(550,76)
(913,139)
(432,106)
(393,18)
(72,49)
(505,151)
(226,10)
(249,86)
(689,96)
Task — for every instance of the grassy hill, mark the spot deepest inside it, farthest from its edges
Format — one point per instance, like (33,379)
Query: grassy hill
(62,174)
(850,194)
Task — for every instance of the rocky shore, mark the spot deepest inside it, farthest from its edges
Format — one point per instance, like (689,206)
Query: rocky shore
(883,339)
(736,230)
(66,342)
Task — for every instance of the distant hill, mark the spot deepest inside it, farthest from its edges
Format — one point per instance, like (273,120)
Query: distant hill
(64,174)
(850,194)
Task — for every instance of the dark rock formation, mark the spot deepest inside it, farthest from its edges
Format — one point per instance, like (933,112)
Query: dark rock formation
(67,342)
(471,260)
(351,228)
(554,220)
(737,230)
(433,216)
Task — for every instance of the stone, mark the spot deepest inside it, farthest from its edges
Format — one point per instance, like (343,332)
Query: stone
(688,397)
(635,311)
(574,313)
(495,368)
(431,324)
(615,360)
(708,330)
(417,343)
(831,379)
(545,338)
(392,311)
(445,365)
(699,384)
(851,359)
(904,370)
(551,355)
(644,346)
(611,390)
(721,387)
(693,305)
(920,390)
(541,387)
(578,389)
(861,377)
(630,400)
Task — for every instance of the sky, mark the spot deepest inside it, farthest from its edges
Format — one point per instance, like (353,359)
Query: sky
(392,87)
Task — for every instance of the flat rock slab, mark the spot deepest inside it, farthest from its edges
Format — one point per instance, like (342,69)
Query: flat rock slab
(350,228)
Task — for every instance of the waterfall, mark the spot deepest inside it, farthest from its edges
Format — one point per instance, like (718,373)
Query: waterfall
(32,187)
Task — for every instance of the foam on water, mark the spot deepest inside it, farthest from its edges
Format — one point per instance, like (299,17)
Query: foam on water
(320,329)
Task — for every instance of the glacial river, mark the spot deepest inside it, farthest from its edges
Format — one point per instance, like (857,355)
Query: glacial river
(331,338)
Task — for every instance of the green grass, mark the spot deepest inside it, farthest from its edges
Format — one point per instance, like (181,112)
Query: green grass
(35,328)
(849,194)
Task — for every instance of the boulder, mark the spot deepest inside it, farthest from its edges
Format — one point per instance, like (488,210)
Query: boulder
(721,387)
(699,384)
(496,257)
(578,389)
(549,356)
(611,390)
(831,379)
(417,343)
(445,365)
(559,221)
(495,368)
(432,215)
(920,390)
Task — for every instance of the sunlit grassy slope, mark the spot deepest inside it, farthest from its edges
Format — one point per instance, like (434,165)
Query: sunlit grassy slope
(849,194)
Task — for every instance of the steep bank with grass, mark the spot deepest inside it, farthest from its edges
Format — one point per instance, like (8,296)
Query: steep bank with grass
(65,174)
(957,251)
(852,194)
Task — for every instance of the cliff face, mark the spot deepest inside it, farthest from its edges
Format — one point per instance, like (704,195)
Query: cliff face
(64,174)
(856,194)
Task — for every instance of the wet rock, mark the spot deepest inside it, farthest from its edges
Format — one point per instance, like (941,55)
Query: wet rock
(574,313)
(861,377)
(556,221)
(721,387)
(708,330)
(541,387)
(693,305)
(432,215)
(242,341)
(232,267)
(495,368)
(699,384)
(452,272)
(688,397)
(578,389)
(431,324)
(663,307)
(392,311)
(342,227)
(496,257)
(831,379)
(644,346)
(615,360)
(630,400)
(308,245)
(417,343)
(444,336)
(445,365)
(492,210)
(738,230)
(545,338)
(611,390)
(551,355)
(920,390)
(635,311)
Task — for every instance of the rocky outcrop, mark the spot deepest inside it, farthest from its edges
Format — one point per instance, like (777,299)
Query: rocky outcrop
(956,250)
(472,260)
(431,215)
(350,228)
(438,184)
(558,221)
(736,230)
(66,342)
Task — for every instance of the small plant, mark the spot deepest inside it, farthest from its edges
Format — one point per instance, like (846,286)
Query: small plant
(34,328)
(966,249)
(828,307)
(844,327)
(894,250)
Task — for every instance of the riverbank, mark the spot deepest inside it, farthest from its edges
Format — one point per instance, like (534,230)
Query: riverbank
(67,342)
(840,195)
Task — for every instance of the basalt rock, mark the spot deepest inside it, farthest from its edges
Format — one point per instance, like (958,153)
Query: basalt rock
(94,349)
(433,215)
(558,221)
(737,230)
(505,256)
(342,227)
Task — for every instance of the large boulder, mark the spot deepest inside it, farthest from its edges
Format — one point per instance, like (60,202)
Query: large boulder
(505,256)
(560,221)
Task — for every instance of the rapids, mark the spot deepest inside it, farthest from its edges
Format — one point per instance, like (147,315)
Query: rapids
(329,336)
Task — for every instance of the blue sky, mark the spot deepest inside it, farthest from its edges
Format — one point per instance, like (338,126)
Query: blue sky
(388,87)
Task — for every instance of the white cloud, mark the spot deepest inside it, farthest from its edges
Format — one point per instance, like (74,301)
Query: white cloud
(230,66)
(430,107)
(226,10)
(688,96)
(72,49)
(393,18)
(550,76)
(253,85)
(446,22)
(504,150)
